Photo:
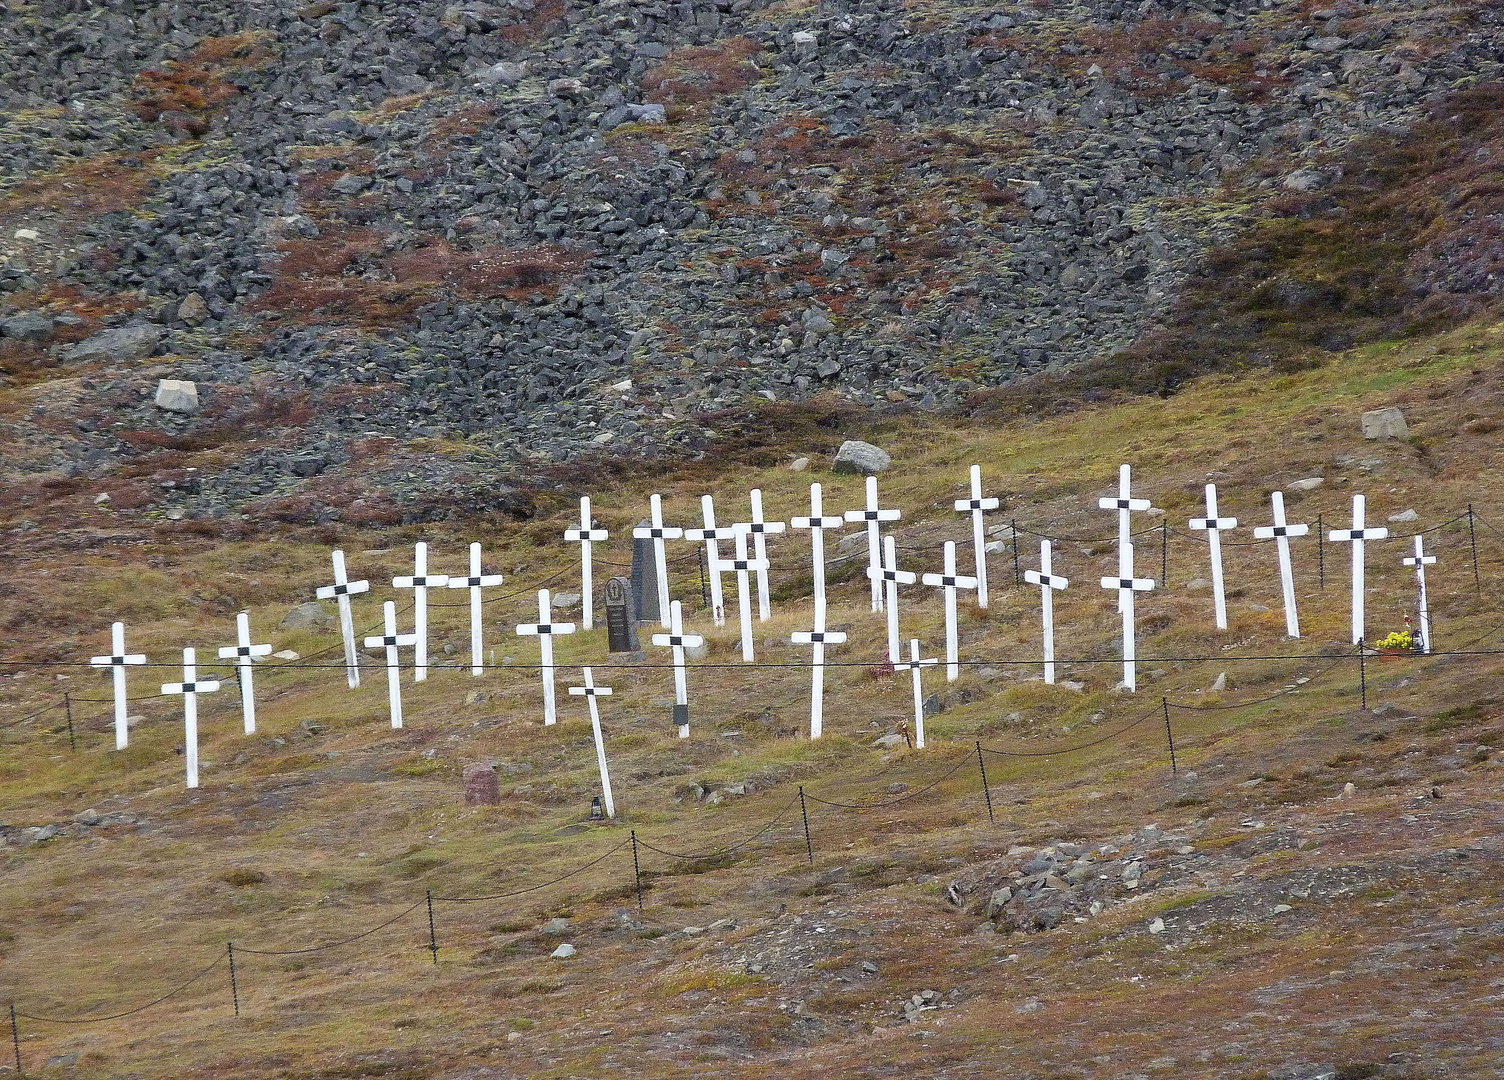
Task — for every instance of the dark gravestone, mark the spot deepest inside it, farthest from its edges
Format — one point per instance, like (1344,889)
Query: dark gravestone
(644,579)
(621,625)
(481,788)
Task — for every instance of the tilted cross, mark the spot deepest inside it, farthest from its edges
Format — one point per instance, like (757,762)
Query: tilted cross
(658,533)
(758,529)
(340,592)
(710,534)
(420,581)
(475,582)
(950,581)
(1213,525)
(1420,561)
(976,506)
(1048,583)
(1124,504)
(1358,535)
(190,688)
(1126,585)
(890,577)
(916,665)
(584,535)
(873,515)
(544,631)
(244,654)
(676,639)
(590,692)
(392,641)
(1280,533)
(743,566)
(117,662)
(819,639)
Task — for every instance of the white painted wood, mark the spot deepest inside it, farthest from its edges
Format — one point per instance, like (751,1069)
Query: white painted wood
(1280,533)
(420,582)
(1357,536)
(544,630)
(817,523)
(1125,505)
(891,576)
(191,687)
(590,692)
(976,506)
(873,515)
(950,581)
(710,535)
(390,640)
(759,528)
(475,582)
(676,639)
(244,654)
(1213,525)
(1126,585)
(584,535)
(1420,561)
(744,567)
(117,662)
(818,639)
(658,533)
(340,592)
(1045,578)
(916,665)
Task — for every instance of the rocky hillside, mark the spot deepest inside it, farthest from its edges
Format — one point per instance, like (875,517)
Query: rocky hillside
(552,231)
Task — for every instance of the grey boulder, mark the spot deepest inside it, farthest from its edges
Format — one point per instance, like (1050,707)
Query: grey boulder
(1385,424)
(122,344)
(27,327)
(310,616)
(861,459)
(177,395)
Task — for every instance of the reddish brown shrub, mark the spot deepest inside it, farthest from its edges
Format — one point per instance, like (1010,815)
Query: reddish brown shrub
(198,86)
(692,76)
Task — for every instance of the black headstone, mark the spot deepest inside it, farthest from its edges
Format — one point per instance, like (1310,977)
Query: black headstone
(644,579)
(621,625)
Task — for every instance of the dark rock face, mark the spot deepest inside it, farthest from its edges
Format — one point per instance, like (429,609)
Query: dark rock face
(473,220)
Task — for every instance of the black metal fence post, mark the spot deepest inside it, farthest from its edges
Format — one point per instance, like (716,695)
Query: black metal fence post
(809,845)
(1320,554)
(704,584)
(986,791)
(1174,769)
(433,940)
(1363,673)
(636,870)
(1018,577)
(234,986)
(15,1037)
(1164,554)
(68,704)
(1473,539)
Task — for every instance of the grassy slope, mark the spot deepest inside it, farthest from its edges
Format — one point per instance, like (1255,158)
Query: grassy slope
(348,826)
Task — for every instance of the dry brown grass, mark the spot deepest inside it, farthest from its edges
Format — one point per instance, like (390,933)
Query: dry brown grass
(693,76)
(188,92)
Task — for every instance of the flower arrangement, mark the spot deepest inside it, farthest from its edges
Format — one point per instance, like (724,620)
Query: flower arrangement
(1399,641)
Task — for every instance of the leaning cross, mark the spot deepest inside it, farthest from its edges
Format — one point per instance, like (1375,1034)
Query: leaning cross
(743,565)
(244,654)
(341,591)
(817,523)
(544,631)
(116,662)
(976,506)
(658,533)
(916,665)
(1046,580)
(190,688)
(392,640)
(590,692)
(759,530)
(1126,585)
(420,582)
(1280,533)
(1124,504)
(1420,562)
(819,639)
(1213,525)
(1356,536)
(890,576)
(677,639)
(873,516)
(710,534)
(950,581)
(475,583)
(583,535)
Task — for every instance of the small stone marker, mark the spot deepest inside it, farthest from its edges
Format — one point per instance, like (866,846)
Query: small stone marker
(1213,525)
(590,692)
(976,506)
(392,641)
(177,395)
(244,654)
(1357,536)
(1124,504)
(658,533)
(1045,578)
(544,631)
(758,528)
(710,534)
(950,581)
(117,662)
(475,582)
(481,788)
(873,515)
(621,620)
(420,582)
(1420,561)
(891,577)
(819,638)
(1126,585)
(190,688)
(1385,424)
(743,565)
(676,639)
(341,591)
(584,535)
(817,523)
(1280,533)
(916,665)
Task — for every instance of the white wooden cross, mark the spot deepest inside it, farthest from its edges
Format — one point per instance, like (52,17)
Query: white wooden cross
(891,576)
(544,631)
(190,688)
(583,535)
(759,529)
(677,639)
(976,506)
(710,534)
(1045,578)
(874,516)
(340,592)
(1420,561)
(817,523)
(742,565)
(916,665)
(1124,504)
(244,654)
(658,533)
(1357,536)
(590,692)
(475,582)
(420,582)
(116,662)
(1280,533)
(1213,525)
(950,581)
(1127,585)
(392,641)
(818,638)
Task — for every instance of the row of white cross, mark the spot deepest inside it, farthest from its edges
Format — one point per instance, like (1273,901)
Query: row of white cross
(883,572)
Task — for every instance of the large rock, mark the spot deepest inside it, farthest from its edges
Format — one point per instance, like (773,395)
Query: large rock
(481,788)
(506,73)
(310,616)
(1385,424)
(177,395)
(26,327)
(120,345)
(861,459)
(193,310)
